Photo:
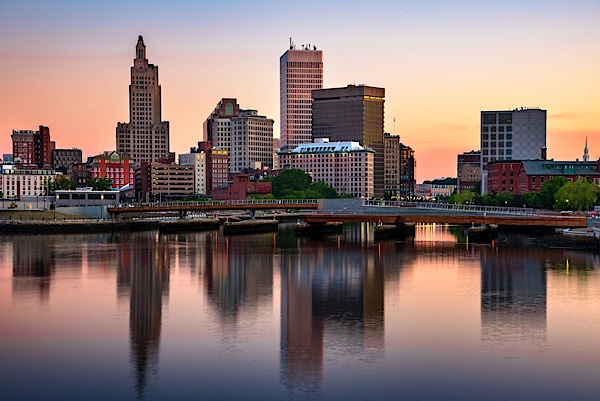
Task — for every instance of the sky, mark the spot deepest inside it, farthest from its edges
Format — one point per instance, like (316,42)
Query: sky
(66,65)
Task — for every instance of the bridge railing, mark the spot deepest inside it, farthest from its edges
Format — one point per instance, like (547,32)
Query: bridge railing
(478,209)
(236,203)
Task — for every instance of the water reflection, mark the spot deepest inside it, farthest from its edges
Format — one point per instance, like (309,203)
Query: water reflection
(34,261)
(239,273)
(513,298)
(332,297)
(143,269)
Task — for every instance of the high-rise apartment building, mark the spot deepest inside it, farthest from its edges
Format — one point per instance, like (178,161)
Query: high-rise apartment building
(246,135)
(519,134)
(391,145)
(145,137)
(353,113)
(32,147)
(300,71)
(197,159)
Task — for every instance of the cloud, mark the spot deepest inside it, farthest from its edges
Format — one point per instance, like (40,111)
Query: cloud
(566,115)
(454,127)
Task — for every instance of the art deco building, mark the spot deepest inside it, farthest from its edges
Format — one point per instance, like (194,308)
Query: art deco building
(300,71)
(244,134)
(145,137)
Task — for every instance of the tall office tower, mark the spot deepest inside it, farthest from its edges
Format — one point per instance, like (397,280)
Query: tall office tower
(247,136)
(519,134)
(300,71)
(145,137)
(353,113)
(32,147)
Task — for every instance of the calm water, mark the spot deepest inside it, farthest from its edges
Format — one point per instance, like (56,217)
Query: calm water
(201,316)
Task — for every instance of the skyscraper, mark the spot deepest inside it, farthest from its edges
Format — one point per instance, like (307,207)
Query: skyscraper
(32,147)
(519,134)
(145,137)
(300,71)
(353,113)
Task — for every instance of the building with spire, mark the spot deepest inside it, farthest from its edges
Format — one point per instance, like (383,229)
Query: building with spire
(300,71)
(145,137)
(586,155)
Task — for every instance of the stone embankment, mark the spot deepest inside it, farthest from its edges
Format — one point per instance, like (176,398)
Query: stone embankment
(12,227)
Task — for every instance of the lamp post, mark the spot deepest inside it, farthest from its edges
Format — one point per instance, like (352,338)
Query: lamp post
(102,207)
(55,204)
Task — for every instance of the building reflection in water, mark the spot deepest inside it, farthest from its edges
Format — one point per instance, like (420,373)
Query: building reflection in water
(332,296)
(239,273)
(513,298)
(33,257)
(143,269)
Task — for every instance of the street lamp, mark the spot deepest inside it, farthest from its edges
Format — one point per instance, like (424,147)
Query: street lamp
(102,207)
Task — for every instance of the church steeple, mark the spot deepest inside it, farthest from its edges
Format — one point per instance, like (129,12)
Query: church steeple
(586,156)
(140,49)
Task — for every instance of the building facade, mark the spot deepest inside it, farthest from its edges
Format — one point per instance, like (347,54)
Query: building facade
(519,134)
(408,167)
(240,187)
(145,137)
(532,174)
(119,168)
(391,145)
(502,176)
(198,160)
(17,182)
(32,147)
(468,170)
(157,181)
(346,166)
(66,157)
(246,135)
(354,113)
(300,71)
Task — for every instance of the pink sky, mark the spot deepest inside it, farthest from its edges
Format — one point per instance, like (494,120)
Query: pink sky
(66,66)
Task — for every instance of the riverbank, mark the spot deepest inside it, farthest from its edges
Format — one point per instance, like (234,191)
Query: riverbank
(561,241)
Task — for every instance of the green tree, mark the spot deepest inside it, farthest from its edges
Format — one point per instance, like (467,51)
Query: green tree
(63,183)
(1,194)
(530,199)
(547,195)
(465,197)
(99,184)
(578,195)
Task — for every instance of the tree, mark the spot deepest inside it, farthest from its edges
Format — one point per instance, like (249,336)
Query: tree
(547,196)
(578,195)
(1,194)
(100,184)
(63,183)
(465,197)
(297,184)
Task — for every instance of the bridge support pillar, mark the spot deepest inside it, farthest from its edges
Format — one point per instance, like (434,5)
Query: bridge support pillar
(251,214)
(383,231)
(182,214)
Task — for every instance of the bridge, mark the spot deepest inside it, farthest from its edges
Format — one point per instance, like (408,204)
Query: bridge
(358,210)
(183,208)
(396,212)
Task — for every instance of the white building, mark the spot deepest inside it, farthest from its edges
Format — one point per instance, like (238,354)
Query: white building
(519,134)
(300,71)
(198,160)
(346,166)
(15,183)
(145,137)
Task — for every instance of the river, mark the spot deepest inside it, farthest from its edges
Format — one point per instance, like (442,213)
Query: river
(274,317)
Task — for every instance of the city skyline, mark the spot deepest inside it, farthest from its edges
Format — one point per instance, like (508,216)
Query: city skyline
(66,66)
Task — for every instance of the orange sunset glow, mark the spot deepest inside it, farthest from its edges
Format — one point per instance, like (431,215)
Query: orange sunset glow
(66,65)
